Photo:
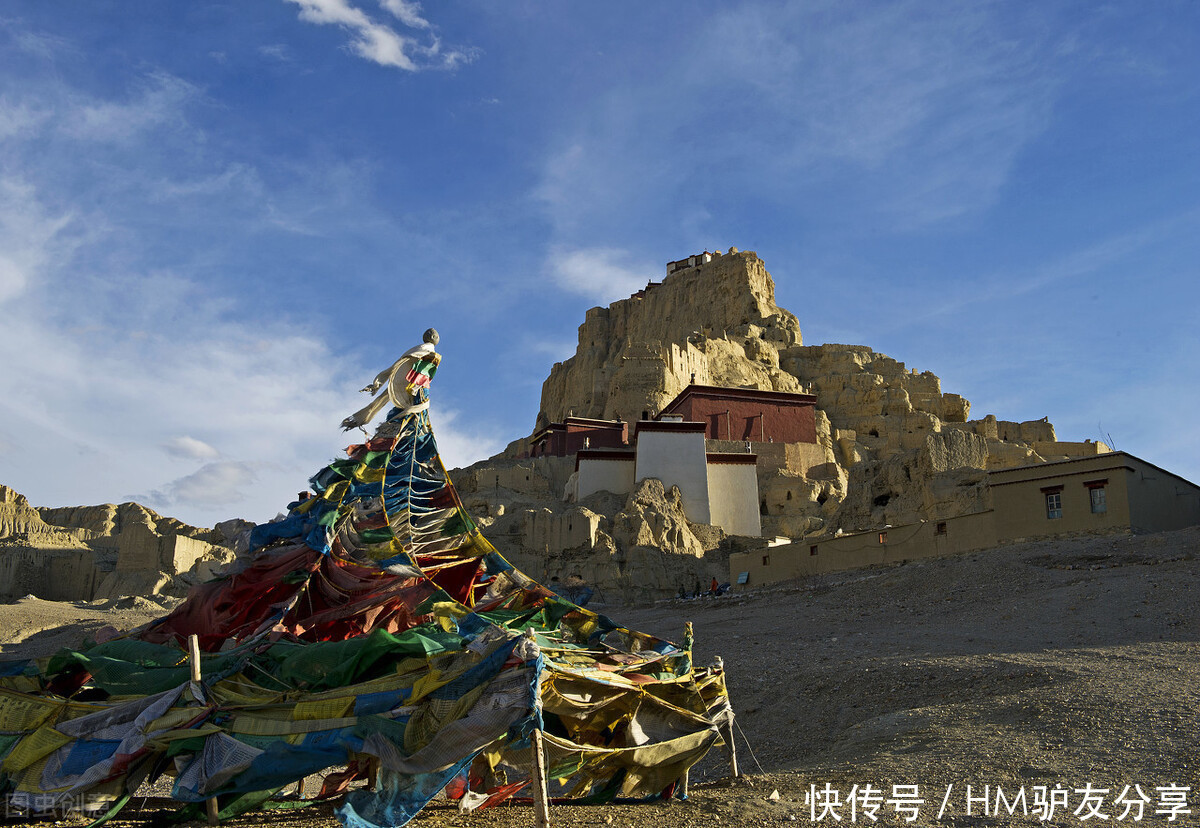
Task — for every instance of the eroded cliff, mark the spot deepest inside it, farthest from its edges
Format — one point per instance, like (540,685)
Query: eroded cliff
(892,447)
(107,551)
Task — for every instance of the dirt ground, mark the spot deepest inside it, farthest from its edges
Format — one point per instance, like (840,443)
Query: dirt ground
(1063,664)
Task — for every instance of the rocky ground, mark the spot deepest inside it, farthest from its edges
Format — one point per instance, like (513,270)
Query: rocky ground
(1064,663)
(32,627)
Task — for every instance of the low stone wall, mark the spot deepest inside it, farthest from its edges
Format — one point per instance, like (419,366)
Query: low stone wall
(895,544)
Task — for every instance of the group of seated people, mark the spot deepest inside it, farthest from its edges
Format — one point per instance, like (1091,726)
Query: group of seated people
(713,591)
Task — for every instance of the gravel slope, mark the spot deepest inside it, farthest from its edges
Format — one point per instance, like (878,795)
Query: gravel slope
(1058,663)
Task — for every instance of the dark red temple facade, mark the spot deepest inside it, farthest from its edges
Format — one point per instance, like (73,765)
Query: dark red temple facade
(748,414)
(576,433)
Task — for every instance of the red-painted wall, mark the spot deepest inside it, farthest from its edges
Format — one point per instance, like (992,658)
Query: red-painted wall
(563,440)
(756,420)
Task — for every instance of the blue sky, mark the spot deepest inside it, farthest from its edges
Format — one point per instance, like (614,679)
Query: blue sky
(218,220)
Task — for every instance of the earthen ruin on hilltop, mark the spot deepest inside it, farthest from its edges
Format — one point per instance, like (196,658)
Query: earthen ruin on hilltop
(675,418)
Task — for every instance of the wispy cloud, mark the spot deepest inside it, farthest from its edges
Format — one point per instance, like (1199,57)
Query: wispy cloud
(189,448)
(32,235)
(908,115)
(38,44)
(17,118)
(1094,260)
(603,274)
(157,102)
(276,51)
(220,484)
(116,400)
(407,12)
(459,443)
(235,177)
(379,42)
(128,362)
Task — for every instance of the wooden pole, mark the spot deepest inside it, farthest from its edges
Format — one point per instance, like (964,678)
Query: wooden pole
(194,658)
(541,799)
(726,728)
(689,639)
(537,774)
(730,746)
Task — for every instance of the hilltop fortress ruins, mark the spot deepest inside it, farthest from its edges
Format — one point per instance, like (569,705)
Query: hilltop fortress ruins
(600,489)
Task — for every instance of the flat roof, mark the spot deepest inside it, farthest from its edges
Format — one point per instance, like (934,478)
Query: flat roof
(685,426)
(1054,468)
(586,421)
(620,455)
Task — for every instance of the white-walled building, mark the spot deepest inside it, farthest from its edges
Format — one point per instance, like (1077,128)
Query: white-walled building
(716,488)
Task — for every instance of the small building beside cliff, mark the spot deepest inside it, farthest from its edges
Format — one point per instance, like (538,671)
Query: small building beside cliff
(1109,493)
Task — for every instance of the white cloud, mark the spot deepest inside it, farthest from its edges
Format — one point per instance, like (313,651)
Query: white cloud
(112,409)
(234,177)
(910,113)
(18,118)
(380,43)
(39,44)
(12,278)
(276,51)
(189,448)
(118,354)
(158,103)
(563,168)
(31,236)
(383,46)
(213,485)
(407,12)
(992,289)
(331,11)
(558,349)
(604,274)
(459,448)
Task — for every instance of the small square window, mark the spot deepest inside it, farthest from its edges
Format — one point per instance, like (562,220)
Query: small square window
(1099,500)
(941,528)
(883,537)
(766,560)
(1053,505)
(812,550)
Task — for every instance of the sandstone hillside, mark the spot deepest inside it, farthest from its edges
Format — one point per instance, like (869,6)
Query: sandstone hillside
(101,552)
(892,446)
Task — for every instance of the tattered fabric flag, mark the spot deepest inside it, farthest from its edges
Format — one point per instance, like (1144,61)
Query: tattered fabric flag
(420,375)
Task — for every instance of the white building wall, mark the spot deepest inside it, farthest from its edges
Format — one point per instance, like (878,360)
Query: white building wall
(597,475)
(677,459)
(733,498)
